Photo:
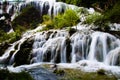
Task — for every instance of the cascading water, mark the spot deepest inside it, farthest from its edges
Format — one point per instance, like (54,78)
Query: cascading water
(113,57)
(49,46)
(50,7)
(94,46)
(44,6)
(52,46)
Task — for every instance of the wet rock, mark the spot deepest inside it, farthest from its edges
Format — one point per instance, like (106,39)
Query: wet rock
(3,47)
(42,74)
(68,49)
(72,31)
(23,55)
(5,24)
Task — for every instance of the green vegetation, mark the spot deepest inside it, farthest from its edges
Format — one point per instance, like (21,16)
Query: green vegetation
(103,20)
(69,18)
(113,15)
(29,18)
(74,74)
(92,18)
(6,75)
(11,37)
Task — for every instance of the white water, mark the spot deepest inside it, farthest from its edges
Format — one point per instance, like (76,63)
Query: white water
(52,47)
(18,48)
(49,6)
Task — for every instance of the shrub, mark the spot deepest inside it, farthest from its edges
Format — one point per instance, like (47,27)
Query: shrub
(11,37)
(92,18)
(14,36)
(59,21)
(69,18)
(48,22)
(113,15)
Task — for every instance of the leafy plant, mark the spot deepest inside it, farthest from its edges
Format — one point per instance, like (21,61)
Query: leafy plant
(11,37)
(92,18)
(69,18)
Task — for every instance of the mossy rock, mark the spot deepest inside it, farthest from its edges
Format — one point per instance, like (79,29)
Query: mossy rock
(5,24)
(28,18)
(23,55)
(75,74)
(3,47)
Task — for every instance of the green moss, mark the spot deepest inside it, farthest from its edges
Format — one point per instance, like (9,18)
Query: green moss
(6,75)
(72,74)
(76,74)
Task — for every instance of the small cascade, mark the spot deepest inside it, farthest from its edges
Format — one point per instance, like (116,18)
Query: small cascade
(44,6)
(80,46)
(113,57)
(101,44)
(7,54)
(48,47)
(20,42)
(7,7)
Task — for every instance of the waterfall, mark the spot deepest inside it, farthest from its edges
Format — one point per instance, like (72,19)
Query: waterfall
(49,46)
(80,46)
(58,46)
(7,53)
(113,57)
(44,6)
(101,44)
(50,7)
(18,48)
(85,47)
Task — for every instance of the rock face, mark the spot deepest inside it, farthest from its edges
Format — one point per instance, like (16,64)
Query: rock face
(3,47)
(5,22)
(23,55)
